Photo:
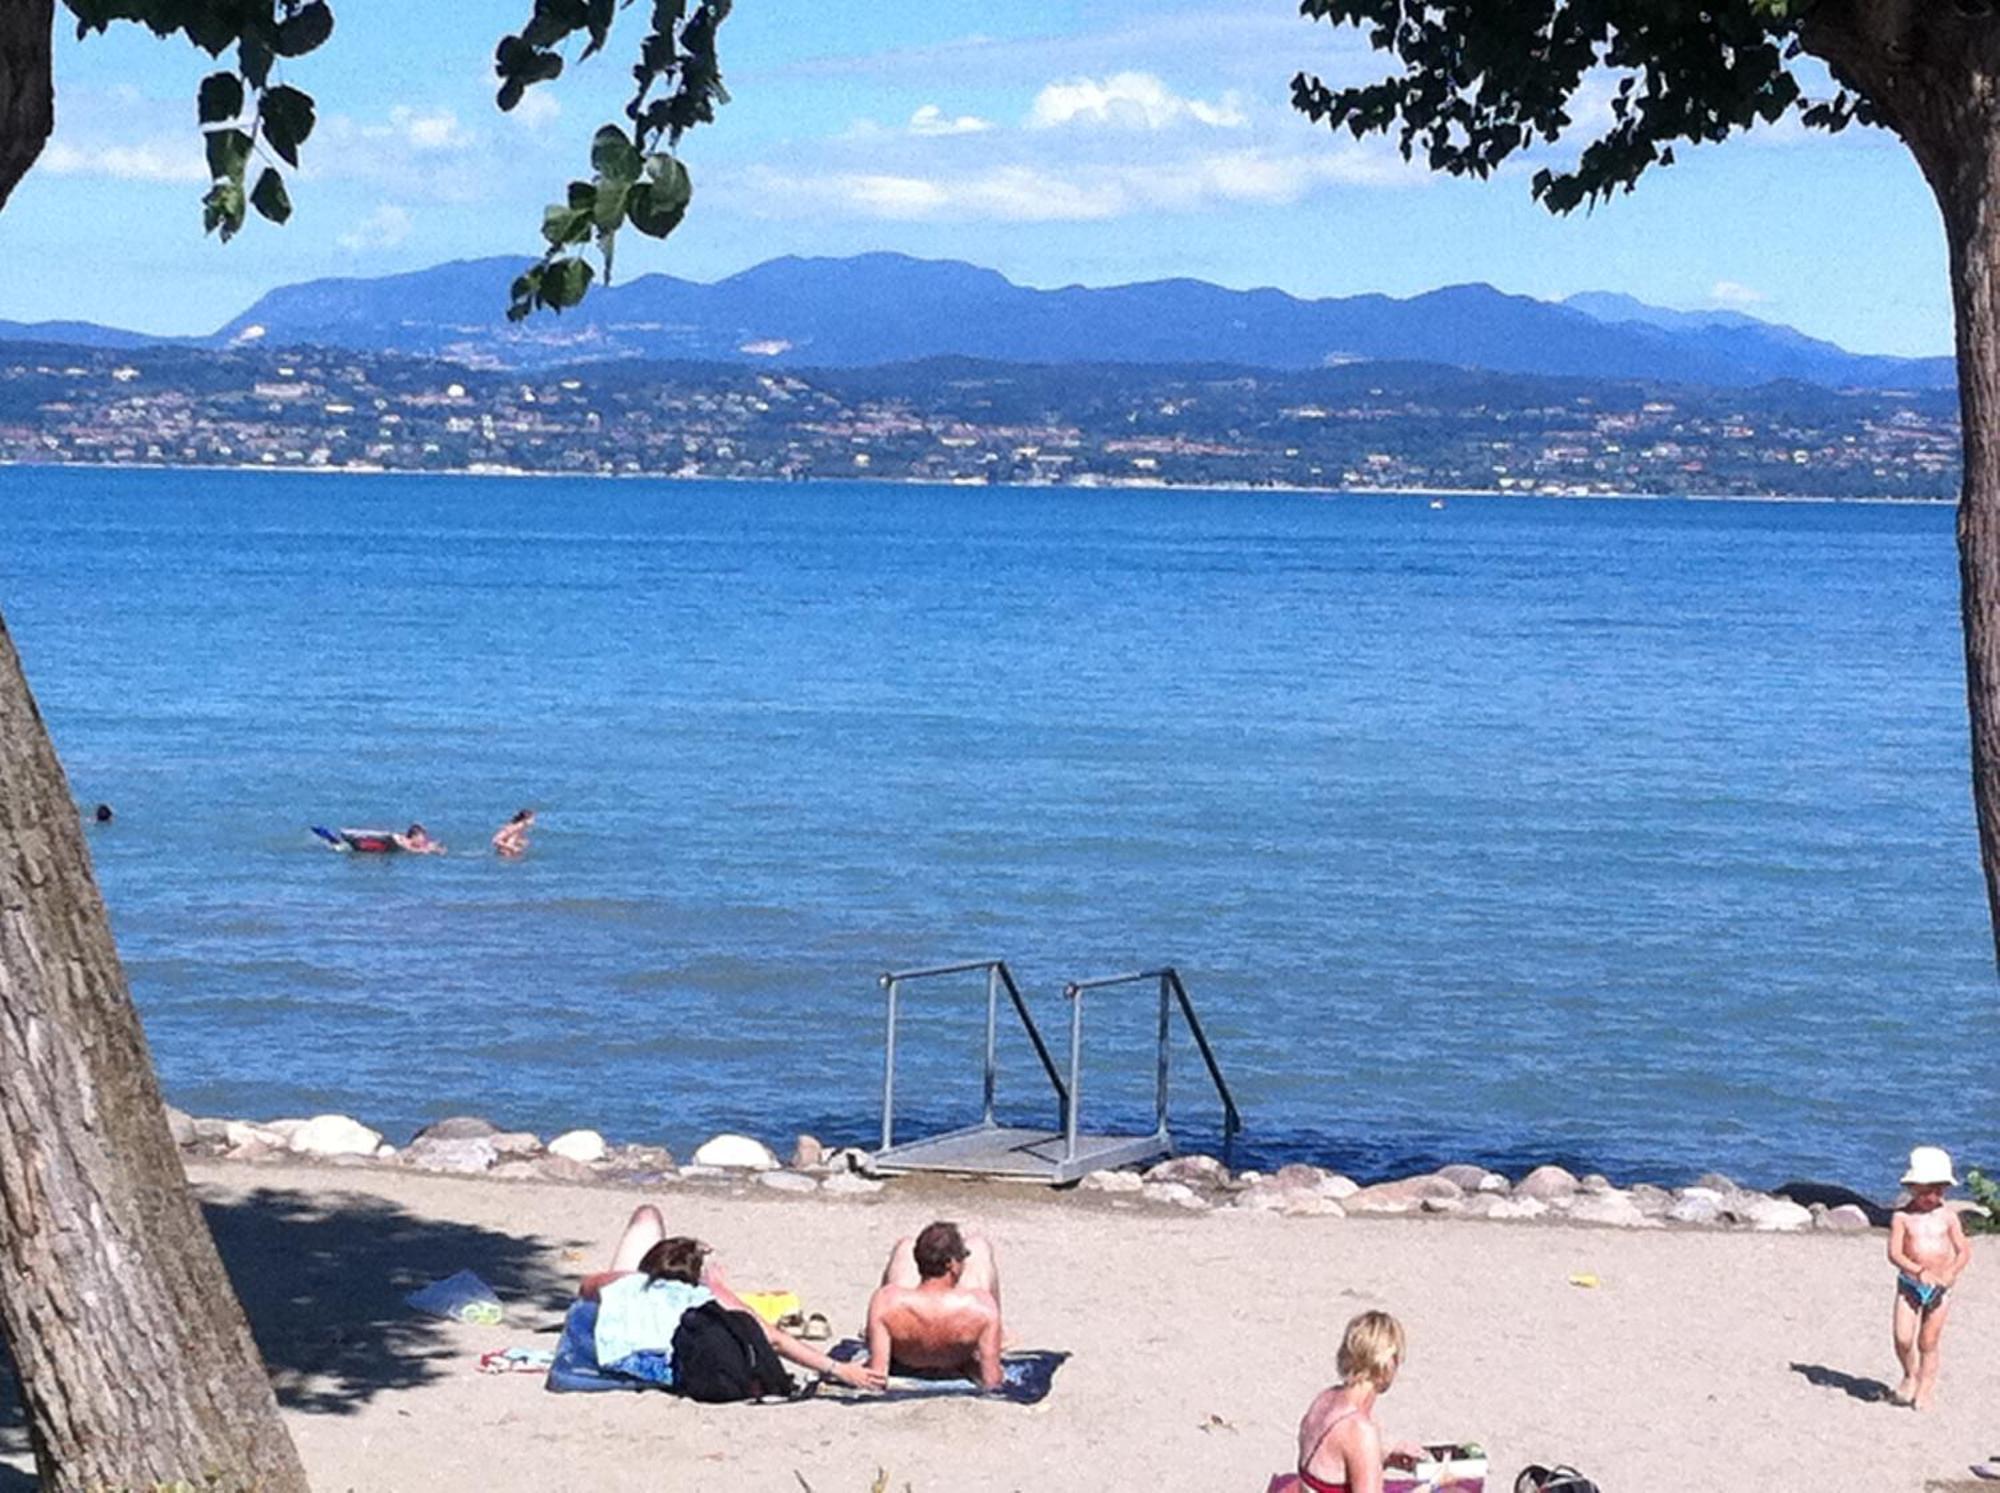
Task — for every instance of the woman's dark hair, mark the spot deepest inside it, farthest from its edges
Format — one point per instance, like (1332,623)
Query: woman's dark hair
(415,829)
(521,816)
(675,1259)
(103,813)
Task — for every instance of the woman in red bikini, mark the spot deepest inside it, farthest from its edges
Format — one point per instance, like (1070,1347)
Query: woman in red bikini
(1340,1446)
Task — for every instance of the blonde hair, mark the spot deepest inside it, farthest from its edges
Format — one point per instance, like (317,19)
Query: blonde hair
(1371,1349)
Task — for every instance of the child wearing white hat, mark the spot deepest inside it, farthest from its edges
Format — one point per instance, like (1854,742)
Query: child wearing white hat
(1928,1247)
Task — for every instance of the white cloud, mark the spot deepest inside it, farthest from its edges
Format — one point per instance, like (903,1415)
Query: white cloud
(1736,296)
(931,120)
(1130,101)
(166,159)
(1081,193)
(437,130)
(539,108)
(384,228)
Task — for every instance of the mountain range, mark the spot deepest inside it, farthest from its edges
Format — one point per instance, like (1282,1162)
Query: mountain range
(888,308)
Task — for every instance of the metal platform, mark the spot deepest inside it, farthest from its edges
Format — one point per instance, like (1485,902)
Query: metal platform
(1011,1151)
(1056,1156)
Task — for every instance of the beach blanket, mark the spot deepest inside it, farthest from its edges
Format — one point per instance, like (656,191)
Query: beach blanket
(575,1369)
(1028,1379)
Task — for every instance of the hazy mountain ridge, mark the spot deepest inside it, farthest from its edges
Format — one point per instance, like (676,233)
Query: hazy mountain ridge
(888,308)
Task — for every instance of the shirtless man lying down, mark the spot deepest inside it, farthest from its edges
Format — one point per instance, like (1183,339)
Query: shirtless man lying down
(936,1314)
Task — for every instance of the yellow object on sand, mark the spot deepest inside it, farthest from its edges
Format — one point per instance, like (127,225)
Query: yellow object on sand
(772,1306)
(1587,1281)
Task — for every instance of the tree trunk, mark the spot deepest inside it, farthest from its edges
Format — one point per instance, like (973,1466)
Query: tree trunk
(135,1360)
(1931,72)
(27,87)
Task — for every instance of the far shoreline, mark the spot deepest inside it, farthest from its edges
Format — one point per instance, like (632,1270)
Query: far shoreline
(1115,484)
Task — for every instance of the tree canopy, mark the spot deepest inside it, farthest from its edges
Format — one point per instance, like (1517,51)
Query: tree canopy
(1480,80)
(250,117)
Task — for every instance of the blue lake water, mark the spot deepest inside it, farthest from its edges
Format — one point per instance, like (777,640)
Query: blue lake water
(1630,834)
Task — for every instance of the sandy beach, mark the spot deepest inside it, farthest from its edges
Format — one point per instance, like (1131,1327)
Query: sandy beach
(1703,1360)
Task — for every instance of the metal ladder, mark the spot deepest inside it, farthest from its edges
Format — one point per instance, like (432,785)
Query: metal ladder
(1066,1153)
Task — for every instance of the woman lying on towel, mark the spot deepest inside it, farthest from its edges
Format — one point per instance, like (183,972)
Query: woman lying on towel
(1340,1446)
(653,1279)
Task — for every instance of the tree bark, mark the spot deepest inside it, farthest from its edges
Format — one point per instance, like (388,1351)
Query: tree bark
(27,87)
(1931,71)
(134,1358)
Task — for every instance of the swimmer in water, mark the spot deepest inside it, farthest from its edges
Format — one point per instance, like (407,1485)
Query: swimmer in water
(511,839)
(416,839)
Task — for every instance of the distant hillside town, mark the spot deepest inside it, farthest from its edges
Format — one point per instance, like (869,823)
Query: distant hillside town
(1357,426)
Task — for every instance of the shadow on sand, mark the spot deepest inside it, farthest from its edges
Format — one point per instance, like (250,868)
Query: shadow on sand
(323,1276)
(1870,1391)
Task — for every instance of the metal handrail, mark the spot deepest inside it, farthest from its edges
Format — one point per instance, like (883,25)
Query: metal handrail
(1172,992)
(998,977)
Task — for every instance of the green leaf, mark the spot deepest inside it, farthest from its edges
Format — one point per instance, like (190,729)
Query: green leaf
(608,211)
(269,196)
(614,156)
(254,58)
(222,209)
(526,293)
(221,98)
(287,118)
(564,283)
(305,29)
(565,225)
(228,152)
(657,206)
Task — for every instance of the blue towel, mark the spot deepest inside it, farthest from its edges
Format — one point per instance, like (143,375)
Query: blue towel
(575,1370)
(1027,1378)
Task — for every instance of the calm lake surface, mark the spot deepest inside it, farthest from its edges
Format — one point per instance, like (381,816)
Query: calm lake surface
(1634,835)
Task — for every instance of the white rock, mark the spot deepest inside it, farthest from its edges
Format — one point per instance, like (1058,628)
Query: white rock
(284,1129)
(1696,1205)
(737,1153)
(849,1159)
(1775,1215)
(1546,1183)
(333,1135)
(180,1125)
(1847,1218)
(1517,1207)
(1112,1182)
(1194,1171)
(788,1182)
(579,1145)
(1177,1193)
(1612,1208)
(1312,1205)
(807,1153)
(463,1154)
(385,1152)
(852,1184)
(516,1142)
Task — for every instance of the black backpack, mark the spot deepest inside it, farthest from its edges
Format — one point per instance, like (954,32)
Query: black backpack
(1553,1480)
(721,1356)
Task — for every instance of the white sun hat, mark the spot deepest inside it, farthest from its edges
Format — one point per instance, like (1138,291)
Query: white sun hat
(1930,1166)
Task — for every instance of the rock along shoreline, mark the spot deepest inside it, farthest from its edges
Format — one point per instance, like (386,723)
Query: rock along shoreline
(470,1146)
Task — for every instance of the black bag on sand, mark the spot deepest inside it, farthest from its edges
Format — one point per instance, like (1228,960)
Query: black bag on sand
(721,1356)
(1553,1480)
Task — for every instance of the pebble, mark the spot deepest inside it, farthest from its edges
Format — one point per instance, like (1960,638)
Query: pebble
(737,1153)
(807,1152)
(579,1145)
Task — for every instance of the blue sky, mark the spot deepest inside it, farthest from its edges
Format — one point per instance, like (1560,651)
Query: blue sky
(1056,142)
